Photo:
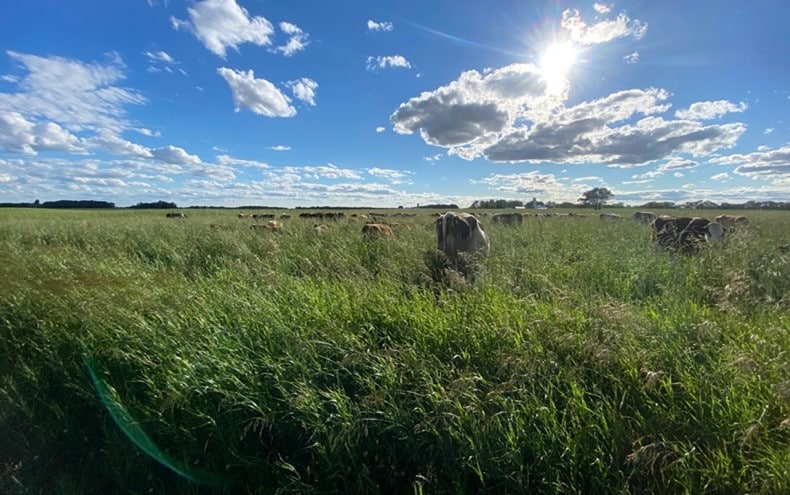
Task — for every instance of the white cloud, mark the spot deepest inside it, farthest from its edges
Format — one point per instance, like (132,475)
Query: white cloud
(380,26)
(258,95)
(603,31)
(279,147)
(75,95)
(769,164)
(116,145)
(533,184)
(376,63)
(175,155)
(434,158)
(631,58)
(159,57)
(722,177)
(328,171)
(297,42)
(227,160)
(768,130)
(304,89)
(469,113)
(380,129)
(18,135)
(707,110)
(394,176)
(602,8)
(506,115)
(223,24)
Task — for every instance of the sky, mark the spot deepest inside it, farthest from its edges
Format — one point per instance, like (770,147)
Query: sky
(303,103)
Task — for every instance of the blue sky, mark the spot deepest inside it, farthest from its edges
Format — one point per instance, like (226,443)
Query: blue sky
(387,103)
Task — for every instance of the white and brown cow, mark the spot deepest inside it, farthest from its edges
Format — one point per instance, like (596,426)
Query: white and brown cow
(685,233)
(459,233)
(644,216)
(732,221)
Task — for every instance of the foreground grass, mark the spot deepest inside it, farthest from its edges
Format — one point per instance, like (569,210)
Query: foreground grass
(579,360)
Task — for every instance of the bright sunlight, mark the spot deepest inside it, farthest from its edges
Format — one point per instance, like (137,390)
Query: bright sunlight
(555,62)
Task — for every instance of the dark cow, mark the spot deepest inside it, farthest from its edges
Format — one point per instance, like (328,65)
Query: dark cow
(685,233)
(644,216)
(176,215)
(507,218)
(611,217)
(460,233)
(377,230)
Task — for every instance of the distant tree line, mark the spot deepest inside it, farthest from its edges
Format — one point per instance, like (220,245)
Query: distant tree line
(62,203)
(450,206)
(161,205)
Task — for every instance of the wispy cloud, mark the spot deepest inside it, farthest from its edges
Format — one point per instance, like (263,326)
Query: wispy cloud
(297,41)
(376,63)
(602,31)
(380,26)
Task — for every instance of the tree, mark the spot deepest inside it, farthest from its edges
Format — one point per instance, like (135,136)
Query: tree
(596,197)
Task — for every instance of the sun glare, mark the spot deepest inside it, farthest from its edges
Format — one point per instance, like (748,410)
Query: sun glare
(555,63)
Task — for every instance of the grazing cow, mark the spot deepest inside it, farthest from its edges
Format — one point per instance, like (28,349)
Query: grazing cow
(611,217)
(176,215)
(263,216)
(507,218)
(460,233)
(732,221)
(377,230)
(644,216)
(685,233)
(245,215)
(320,228)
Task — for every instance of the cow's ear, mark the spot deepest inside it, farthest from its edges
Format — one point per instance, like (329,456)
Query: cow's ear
(472,221)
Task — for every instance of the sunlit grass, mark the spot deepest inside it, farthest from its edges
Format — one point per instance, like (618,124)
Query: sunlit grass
(578,359)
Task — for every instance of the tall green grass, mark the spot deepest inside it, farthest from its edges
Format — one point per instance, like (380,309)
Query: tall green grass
(576,359)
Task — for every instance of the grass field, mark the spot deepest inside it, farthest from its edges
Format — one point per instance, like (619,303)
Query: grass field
(140,354)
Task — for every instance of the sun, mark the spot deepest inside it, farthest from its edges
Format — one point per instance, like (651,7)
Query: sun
(555,63)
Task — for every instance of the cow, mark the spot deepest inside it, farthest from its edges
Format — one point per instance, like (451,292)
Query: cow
(685,233)
(320,228)
(459,233)
(611,217)
(176,215)
(377,230)
(263,216)
(644,216)
(507,218)
(245,215)
(731,221)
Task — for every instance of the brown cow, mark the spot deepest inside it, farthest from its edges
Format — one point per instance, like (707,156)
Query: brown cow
(176,215)
(685,233)
(377,230)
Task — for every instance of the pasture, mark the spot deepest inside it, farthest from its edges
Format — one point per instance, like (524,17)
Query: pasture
(145,354)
